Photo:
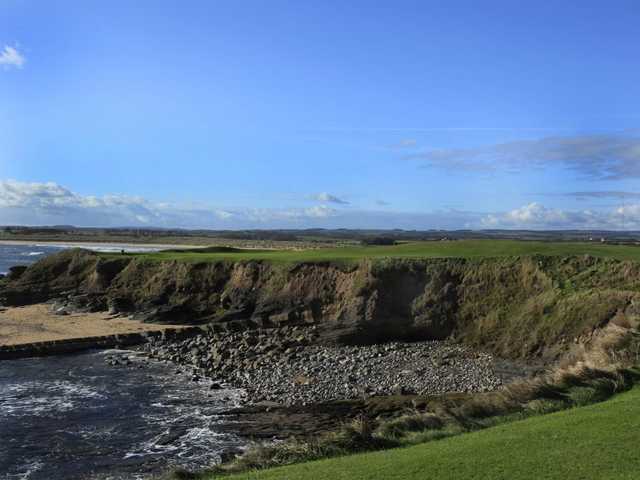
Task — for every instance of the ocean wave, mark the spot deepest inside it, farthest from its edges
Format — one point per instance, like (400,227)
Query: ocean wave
(194,447)
(164,419)
(43,398)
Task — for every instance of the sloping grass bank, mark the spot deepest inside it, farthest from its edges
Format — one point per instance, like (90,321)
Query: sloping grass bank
(598,441)
(595,375)
(434,249)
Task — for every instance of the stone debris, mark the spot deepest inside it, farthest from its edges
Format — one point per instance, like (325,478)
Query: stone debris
(287,366)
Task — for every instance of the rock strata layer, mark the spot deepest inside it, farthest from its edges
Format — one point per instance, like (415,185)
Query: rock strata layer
(514,307)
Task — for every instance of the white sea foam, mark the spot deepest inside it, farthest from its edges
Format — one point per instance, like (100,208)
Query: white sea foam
(198,439)
(43,398)
(26,470)
(189,445)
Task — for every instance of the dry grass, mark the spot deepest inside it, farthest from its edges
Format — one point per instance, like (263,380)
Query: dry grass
(355,436)
(416,422)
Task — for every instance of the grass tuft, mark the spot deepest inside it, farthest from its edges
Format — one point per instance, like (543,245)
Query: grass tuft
(418,422)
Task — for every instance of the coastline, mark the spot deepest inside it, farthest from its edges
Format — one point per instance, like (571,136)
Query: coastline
(80,344)
(35,330)
(71,244)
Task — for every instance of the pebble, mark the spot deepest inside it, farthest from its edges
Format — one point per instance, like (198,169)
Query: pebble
(288,366)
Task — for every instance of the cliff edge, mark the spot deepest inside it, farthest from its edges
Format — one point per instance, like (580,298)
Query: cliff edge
(512,306)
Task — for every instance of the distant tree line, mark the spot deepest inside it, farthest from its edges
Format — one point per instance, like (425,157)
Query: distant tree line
(378,241)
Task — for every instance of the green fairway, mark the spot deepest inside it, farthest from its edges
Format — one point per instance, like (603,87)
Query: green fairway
(461,248)
(595,442)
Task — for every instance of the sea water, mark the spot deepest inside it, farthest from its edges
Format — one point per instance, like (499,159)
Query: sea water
(11,255)
(75,417)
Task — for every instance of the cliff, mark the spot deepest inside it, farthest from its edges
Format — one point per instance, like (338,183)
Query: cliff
(512,306)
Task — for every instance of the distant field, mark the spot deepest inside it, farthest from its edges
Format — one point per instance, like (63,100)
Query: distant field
(594,442)
(460,248)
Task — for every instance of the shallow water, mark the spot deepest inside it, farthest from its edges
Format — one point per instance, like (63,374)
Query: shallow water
(75,417)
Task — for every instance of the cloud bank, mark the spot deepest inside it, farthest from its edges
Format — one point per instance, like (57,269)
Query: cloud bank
(11,58)
(23,203)
(598,157)
(537,216)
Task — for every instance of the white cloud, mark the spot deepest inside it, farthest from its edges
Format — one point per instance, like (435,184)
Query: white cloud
(537,216)
(11,58)
(536,213)
(223,214)
(23,203)
(320,211)
(38,203)
(327,197)
(50,203)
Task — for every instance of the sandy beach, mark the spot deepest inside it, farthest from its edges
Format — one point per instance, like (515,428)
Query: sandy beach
(36,323)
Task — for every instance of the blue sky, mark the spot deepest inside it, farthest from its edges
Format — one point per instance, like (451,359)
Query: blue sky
(251,114)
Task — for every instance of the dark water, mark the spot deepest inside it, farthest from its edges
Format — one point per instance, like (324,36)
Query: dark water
(26,254)
(11,255)
(74,417)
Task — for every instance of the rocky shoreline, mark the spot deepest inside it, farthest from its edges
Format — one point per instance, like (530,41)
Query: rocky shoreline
(286,366)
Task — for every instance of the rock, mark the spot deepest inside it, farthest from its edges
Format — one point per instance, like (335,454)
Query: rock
(271,365)
(228,456)
(16,272)
(117,305)
(171,436)
(403,390)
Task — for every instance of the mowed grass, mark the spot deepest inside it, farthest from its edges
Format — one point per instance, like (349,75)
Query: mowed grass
(595,442)
(459,249)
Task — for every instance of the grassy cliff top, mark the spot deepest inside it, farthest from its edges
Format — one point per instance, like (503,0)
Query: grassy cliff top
(432,249)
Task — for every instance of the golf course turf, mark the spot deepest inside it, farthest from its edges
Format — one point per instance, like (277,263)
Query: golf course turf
(432,249)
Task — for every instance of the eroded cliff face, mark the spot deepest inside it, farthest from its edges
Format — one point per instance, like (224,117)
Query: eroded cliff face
(512,306)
